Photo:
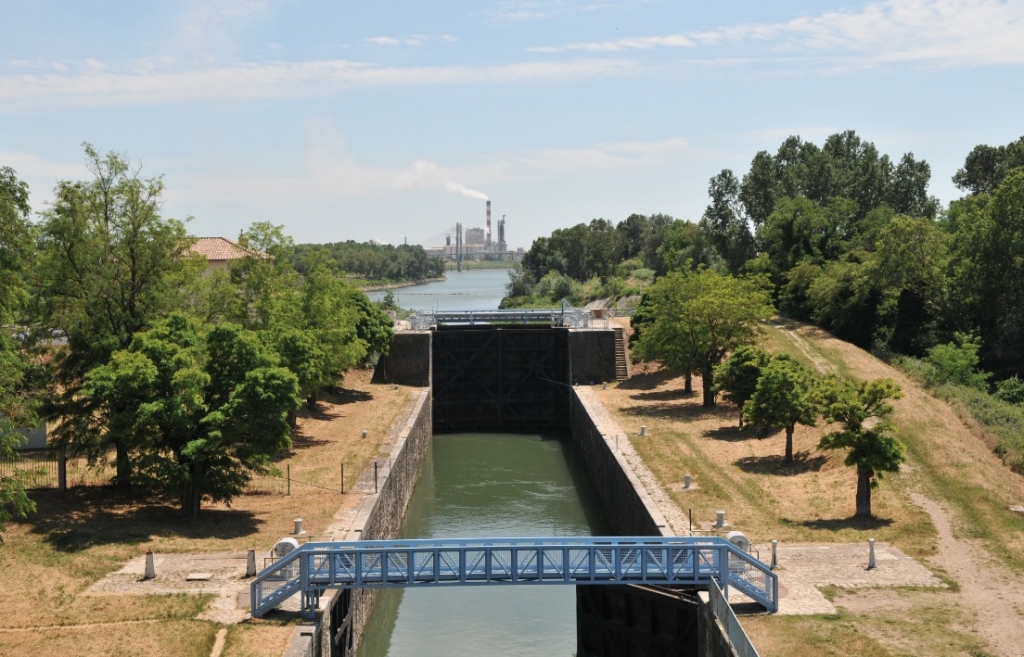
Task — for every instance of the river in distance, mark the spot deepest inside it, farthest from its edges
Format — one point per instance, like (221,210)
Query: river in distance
(493,485)
(473,289)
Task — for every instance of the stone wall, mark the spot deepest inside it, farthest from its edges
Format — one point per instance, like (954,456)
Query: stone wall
(625,500)
(408,360)
(591,356)
(343,614)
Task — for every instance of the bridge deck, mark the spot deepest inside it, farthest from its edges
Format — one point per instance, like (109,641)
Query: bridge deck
(684,561)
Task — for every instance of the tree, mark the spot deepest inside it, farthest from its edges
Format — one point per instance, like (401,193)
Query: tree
(863,410)
(784,397)
(699,317)
(109,266)
(725,223)
(206,407)
(739,374)
(987,166)
(16,407)
(957,362)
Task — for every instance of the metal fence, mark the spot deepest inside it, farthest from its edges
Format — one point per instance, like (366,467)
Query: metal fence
(727,617)
(40,469)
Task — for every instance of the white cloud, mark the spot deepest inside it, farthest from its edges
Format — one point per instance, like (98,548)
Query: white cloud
(930,32)
(91,86)
(383,41)
(639,43)
(329,171)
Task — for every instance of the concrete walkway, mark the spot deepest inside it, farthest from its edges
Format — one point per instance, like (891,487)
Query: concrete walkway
(804,568)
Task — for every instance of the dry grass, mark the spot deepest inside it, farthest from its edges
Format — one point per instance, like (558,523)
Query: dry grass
(48,562)
(812,500)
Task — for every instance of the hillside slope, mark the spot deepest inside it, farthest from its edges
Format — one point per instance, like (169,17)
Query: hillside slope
(948,508)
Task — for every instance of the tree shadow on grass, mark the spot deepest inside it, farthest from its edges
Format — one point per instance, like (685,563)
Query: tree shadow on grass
(731,433)
(839,524)
(647,380)
(342,396)
(686,412)
(775,464)
(663,395)
(85,517)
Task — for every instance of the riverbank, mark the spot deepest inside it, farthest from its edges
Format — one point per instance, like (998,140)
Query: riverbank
(394,286)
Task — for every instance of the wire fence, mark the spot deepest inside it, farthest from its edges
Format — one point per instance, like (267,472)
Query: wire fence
(39,469)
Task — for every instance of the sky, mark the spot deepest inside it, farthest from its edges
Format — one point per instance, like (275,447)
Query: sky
(393,120)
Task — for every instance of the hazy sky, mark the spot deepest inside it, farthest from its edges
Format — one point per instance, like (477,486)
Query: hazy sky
(386,120)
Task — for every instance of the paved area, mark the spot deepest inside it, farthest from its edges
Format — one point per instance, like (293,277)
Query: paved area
(804,568)
(226,581)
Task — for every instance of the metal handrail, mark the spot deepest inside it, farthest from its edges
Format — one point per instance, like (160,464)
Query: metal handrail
(682,561)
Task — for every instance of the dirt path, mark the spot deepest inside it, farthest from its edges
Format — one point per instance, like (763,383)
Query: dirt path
(991,591)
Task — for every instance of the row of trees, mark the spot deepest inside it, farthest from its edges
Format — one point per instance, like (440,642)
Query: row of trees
(775,392)
(701,321)
(376,262)
(847,237)
(114,330)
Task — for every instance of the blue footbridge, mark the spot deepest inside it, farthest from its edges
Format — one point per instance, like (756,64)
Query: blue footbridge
(683,562)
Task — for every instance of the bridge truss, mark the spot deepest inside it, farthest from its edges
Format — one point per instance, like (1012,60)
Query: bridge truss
(672,561)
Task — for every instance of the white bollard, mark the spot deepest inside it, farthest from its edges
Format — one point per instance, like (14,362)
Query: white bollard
(643,431)
(365,433)
(250,563)
(686,481)
(150,565)
(775,554)
(720,520)
(871,553)
(298,526)
(604,386)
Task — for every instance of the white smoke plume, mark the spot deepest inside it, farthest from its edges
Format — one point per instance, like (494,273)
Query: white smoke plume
(458,188)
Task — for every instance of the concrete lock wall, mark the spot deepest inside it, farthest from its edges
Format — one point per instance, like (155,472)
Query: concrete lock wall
(339,622)
(408,361)
(591,356)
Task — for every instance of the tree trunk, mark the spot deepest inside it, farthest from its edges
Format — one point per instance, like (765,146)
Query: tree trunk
(688,383)
(789,442)
(864,476)
(190,498)
(708,379)
(741,415)
(124,466)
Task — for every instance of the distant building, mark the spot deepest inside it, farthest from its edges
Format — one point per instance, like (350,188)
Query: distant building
(475,236)
(220,251)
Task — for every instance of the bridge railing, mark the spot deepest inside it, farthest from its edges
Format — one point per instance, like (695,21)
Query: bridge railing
(686,561)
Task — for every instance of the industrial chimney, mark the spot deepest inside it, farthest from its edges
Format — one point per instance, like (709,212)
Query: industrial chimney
(488,224)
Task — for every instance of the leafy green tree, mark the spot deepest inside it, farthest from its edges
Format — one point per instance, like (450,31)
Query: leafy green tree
(109,265)
(783,397)
(863,410)
(207,407)
(699,317)
(739,374)
(909,270)
(725,223)
(16,403)
(987,166)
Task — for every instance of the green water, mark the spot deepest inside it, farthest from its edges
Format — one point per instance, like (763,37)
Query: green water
(496,485)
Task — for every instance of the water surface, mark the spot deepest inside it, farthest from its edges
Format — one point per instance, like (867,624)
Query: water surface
(494,485)
(474,289)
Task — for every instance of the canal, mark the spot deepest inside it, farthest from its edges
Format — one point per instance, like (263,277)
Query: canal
(473,289)
(498,485)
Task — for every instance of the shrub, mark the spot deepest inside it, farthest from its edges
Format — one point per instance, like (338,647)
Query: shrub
(957,362)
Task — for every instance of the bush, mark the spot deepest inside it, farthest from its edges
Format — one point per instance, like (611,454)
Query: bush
(957,362)
(1011,390)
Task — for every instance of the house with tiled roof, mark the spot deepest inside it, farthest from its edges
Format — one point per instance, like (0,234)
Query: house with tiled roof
(220,251)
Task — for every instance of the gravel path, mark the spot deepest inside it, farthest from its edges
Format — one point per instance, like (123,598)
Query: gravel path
(994,593)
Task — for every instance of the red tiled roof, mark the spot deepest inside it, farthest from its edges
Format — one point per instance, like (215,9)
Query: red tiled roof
(221,248)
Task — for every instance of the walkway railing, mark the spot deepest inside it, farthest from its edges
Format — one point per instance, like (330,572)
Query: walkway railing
(566,316)
(682,561)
